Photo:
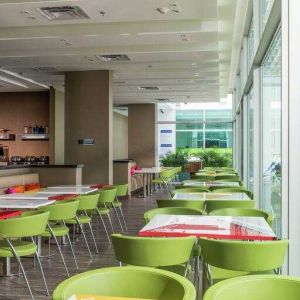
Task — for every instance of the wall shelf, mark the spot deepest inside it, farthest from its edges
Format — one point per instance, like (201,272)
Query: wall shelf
(7,137)
(34,137)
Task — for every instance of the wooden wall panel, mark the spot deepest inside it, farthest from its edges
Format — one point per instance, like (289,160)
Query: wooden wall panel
(20,109)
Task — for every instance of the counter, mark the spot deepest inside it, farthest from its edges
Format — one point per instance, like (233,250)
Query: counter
(49,175)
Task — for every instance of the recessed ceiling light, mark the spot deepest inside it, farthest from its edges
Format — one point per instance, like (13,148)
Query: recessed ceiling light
(24,12)
(196,75)
(32,17)
(185,39)
(163,10)
(175,11)
(173,5)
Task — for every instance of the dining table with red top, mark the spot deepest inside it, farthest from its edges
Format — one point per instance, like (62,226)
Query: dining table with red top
(218,227)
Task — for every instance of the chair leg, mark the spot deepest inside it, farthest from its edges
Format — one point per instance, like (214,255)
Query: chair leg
(20,264)
(72,249)
(104,226)
(84,236)
(121,211)
(111,225)
(116,212)
(92,233)
(59,249)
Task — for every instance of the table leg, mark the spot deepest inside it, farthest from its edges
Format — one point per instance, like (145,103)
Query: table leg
(149,184)
(6,267)
(144,185)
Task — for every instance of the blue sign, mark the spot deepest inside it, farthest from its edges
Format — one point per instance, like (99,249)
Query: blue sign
(166,131)
(166,145)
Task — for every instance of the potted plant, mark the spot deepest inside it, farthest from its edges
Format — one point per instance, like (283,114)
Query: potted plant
(177,159)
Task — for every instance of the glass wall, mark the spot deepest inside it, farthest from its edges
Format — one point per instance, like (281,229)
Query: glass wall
(250,42)
(203,129)
(250,136)
(271,131)
(266,6)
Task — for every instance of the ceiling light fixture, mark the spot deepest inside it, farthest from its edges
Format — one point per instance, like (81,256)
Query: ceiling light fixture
(102,13)
(163,10)
(14,82)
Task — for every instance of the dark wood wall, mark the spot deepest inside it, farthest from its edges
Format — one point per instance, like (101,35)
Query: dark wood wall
(20,109)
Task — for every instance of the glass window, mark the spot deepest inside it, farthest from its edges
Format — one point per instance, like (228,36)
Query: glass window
(250,45)
(266,6)
(250,136)
(271,135)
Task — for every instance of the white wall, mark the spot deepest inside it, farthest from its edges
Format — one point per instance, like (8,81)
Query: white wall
(120,136)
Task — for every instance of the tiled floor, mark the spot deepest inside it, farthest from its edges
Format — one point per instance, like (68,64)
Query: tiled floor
(15,288)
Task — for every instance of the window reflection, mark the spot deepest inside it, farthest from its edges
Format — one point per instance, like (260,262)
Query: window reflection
(271,122)
(250,147)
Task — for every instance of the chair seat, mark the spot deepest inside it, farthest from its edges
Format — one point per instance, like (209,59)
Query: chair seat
(218,274)
(158,181)
(81,219)
(58,230)
(23,248)
(116,204)
(103,210)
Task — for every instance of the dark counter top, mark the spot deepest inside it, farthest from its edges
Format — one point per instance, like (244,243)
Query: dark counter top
(126,160)
(39,166)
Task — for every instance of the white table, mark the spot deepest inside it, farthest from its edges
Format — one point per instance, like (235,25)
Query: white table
(211,183)
(68,190)
(147,178)
(24,204)
(241,228)
(211,196)
(24,196)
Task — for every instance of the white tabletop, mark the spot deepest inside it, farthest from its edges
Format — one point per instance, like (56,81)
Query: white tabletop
(24,204)
(210,183)
(211,196)
(25,196)
(68,190)
(86,186)
(153,170)
(250,228)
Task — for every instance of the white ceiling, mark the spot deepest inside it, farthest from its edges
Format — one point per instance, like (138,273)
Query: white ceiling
(186,54)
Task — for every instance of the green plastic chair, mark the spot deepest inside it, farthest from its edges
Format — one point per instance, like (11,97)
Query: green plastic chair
(155,252)
(227,259)
(191,190)
(86,203)
(105,202)
(122,190)
(245,212)
(56,227)
(164,179)
(256,287)
(130,282)
(28,225)
(148,215)
(203,177)
(228,177)
(232,190)
(211,205)
(195,204)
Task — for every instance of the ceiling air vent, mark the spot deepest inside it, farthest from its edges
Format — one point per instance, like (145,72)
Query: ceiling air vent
(162,100)
(58,13)
(148,88)
(113,57)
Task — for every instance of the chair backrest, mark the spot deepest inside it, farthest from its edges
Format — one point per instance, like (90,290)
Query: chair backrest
(244,255)
(148,215)
(121,189)
(128,282)
(196,204)
(255,287)
(245,212)
(27,225)
(211,205)
(87,202)
(62,210)
(152,252)
(228,176)
(233,190)
(203,177)
(107,195)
